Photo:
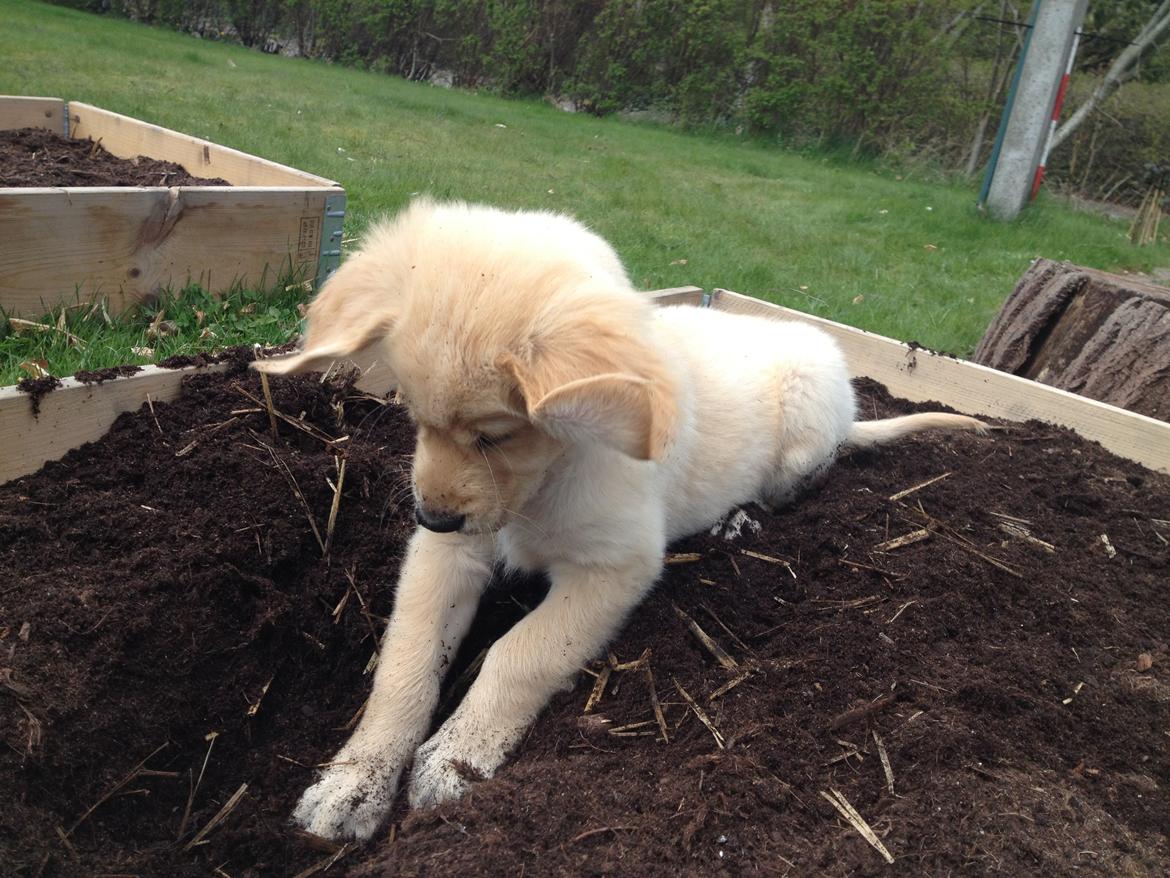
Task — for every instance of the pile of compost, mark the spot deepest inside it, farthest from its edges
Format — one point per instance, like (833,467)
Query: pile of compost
(39,157)
(962,640)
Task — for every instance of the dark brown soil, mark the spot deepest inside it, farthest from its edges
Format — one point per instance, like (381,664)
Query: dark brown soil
(110,373)
(241,353)
(184,361)
(39,157)
(36,388)
(169,633)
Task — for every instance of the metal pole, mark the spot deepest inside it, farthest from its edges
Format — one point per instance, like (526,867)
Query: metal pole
(1024,136)
(1056,108)
(1008,103)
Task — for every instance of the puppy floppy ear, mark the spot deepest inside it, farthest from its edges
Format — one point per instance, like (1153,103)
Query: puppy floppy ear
(615,409)
(630,413)
(348,315)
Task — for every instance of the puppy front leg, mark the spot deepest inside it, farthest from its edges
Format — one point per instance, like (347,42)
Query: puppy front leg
(442,578)
(543,652)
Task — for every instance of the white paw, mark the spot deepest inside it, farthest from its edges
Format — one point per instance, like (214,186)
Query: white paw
(439,774)
(350,800)
(447,764)
(731,526)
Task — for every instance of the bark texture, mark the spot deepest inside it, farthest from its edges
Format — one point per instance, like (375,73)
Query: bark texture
(1101,335)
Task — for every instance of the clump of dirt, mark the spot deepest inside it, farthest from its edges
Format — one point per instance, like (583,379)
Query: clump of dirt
(97,376)
(39,157)
(236,354)
(185,361)
(990,695)
(36,388)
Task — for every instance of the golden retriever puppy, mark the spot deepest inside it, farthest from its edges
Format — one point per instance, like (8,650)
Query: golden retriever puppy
(565,424)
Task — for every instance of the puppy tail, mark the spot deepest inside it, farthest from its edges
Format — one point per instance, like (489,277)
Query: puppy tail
(864,434)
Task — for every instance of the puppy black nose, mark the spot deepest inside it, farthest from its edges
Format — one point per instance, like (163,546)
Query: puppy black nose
(439,521)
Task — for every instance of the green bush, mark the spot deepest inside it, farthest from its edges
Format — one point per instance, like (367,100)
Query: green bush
(846,71)
(625,58)
(904,79)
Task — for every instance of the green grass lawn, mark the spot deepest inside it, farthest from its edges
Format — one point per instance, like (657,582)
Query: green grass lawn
(902,256)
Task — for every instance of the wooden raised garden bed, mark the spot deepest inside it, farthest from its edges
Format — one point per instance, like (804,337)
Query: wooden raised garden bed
(78,412)
(959,638)
(59,244)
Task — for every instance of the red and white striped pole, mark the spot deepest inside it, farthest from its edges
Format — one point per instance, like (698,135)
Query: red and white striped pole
(1058,104)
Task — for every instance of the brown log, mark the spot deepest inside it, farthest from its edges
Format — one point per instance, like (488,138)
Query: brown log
(1102,335)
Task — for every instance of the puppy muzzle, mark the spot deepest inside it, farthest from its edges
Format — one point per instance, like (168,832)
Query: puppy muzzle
(438,520)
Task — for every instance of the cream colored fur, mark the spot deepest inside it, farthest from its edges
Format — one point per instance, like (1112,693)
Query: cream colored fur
(578,429)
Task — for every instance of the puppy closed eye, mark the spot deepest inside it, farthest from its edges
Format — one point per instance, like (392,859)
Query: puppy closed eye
(483,441)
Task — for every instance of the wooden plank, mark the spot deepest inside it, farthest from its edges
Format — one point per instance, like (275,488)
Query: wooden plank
(919,375)
(76,413)
(128,137)
(28,112)
(677,296)
(72,415)
(128,243)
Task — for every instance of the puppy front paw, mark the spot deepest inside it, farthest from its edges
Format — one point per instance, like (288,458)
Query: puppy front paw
(350,800)
(445,766)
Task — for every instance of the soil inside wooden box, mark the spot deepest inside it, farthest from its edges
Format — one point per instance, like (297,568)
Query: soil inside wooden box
(39,157)
(170,637)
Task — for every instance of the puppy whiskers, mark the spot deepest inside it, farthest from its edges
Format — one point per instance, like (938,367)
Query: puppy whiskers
(491,473)
(401,490)
(531,523)
(500,452)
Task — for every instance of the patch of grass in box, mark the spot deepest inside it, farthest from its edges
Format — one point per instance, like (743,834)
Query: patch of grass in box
(85,336)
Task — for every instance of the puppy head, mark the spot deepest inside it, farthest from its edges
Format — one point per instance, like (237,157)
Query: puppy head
(514,339)
(587,373)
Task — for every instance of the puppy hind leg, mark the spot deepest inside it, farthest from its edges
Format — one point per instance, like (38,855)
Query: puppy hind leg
(583,610)
(816,415)
(797,472)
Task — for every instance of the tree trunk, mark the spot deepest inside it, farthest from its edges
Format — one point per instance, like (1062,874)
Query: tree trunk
(1101,335)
